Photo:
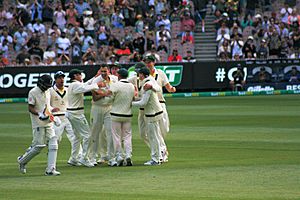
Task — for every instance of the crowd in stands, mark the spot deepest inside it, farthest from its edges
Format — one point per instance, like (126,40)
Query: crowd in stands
(54,32)
(252,29)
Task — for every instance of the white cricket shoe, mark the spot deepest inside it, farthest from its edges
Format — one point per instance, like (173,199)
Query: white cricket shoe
(22,167)
(120,161)
(73,162)
(52,172)
(112,163)
(151,163)
(86,163)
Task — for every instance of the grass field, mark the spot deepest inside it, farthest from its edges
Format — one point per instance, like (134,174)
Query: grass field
(221,148)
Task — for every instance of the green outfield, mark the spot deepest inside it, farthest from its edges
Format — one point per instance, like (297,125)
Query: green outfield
(221,148)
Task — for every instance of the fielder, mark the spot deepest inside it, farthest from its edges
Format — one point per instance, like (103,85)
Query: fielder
(153,114)
(75,113)
(58,99)
(100,121)
(42,126)
(163,81)
(121,114)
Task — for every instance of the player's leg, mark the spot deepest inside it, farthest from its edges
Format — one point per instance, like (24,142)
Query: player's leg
(142,127)
(96,128)
(82,126)
(108,136)
(153,131)
(76,151)
(117,141)
(52,152)
(75,156)
(38,143)
(127,141)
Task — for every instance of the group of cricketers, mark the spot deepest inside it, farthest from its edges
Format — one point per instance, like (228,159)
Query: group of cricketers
(107,138)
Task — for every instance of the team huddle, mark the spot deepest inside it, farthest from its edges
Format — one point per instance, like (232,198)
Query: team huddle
(55,109)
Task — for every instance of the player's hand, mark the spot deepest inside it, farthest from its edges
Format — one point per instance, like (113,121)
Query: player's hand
(173,89)
(101,84)
(57,121)
(147,87)
(43,117)
(55,110)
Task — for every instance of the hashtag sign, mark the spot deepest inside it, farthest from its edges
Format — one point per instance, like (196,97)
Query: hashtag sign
(220,74)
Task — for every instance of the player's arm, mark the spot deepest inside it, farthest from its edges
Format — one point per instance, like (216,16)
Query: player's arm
(32,110)
(170,88)
(144,100)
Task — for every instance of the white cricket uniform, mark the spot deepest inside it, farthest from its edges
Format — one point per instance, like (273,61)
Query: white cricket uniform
(43,132)
(141,116)
(153,114)
(121,114)
(162,79)
(58,99)
(101,124)
(75,113)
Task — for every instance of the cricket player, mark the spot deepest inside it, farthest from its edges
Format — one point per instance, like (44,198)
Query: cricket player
(163,81)
(121,114)
(42,126)
(100,120)
(75,113)
(58,99)
(151,84)
(153,113)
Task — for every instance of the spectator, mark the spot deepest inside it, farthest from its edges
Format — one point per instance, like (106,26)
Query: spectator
(36,11)
(263,51)
(71,14)
(128,12)
(136,56)
(293,75)
(60,17)
(101,55)
(150,40)
(63,44)
(163,47)
(103,34)
(39,27)
(187,23)
(117,19)
(166,22)
(189,57)
(250,7)
(225,48)
(247,21)
(237,46)
(53,34)
(36,61)
(49,52)
(294,17)
(86,41)
(36,50)
(238,79)
(284,48)
(81,6)
(88,55)
(6,36)
(22,56)
(47,12)
(23,18)
(63,59)
(263,76)
(77,29)
(187,37)
(4,49)
(162,34)
(175,57)
(139,25)
(113,41)
(20,39)
(273,40)
(139,43)
(124,51)
(200,11)
(89,23)
(154,53)
(249,49)
(34,38)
